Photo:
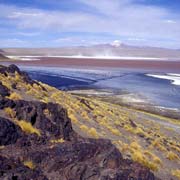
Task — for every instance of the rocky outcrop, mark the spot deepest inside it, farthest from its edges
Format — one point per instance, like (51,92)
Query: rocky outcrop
(74,158)
(11,169)
(12,69)
(4,91)
(51,119)
(9,132)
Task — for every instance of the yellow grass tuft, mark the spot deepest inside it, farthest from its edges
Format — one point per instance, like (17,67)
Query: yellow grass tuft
(28,128)
(73,118)
(84,128)
(93,132)
(29,164)
(135,146)
(172,156)
(61,140)
(10,112)
(176,173)
(14,96)
(116,132)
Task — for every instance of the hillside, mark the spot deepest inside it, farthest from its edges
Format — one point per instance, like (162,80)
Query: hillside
(46,134)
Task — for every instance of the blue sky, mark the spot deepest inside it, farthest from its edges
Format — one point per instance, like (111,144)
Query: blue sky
(57,23)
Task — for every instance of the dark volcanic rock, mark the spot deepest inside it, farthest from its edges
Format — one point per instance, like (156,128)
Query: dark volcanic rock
(9,132)
(15,170)
(4,91)
(56,124)
(89,160)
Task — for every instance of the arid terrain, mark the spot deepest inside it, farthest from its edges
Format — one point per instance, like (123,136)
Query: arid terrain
(38,141)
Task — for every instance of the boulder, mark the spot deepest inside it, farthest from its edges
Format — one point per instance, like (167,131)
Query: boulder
(9,132)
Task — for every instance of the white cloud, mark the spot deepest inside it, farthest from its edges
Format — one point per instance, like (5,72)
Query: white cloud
(122,18)
(170,21)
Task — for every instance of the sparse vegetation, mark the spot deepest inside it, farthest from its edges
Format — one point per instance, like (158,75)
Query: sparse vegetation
(176,173)
(172,156)
(61,140)
(29,164)
(15,96)
(84,128)
(93,132)
(27,127)
(141,139)
(10,112)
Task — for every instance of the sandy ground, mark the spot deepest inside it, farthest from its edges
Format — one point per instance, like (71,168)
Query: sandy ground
(136,64)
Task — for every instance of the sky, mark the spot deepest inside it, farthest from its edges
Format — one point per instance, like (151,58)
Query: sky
(58,23)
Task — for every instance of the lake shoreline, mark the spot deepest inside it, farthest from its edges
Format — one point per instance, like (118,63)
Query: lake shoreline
(173,66)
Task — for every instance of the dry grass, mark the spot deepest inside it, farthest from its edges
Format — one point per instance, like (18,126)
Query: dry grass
(93,132)
(145,158)
(73,118)
(29,164)
(28,128)
(176,173)
(172,156)
(116,132)
(14,96)
(61,140)
(10,112)
(84,128)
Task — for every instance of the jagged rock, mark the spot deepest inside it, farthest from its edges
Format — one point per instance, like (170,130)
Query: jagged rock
(89,159)
(4,91)
(12,69)
(9,132)
(56,125)
(15,170)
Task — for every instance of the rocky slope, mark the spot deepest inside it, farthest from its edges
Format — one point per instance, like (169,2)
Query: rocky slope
(37,140)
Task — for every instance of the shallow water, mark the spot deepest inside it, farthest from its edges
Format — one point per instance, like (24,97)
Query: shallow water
(161,92)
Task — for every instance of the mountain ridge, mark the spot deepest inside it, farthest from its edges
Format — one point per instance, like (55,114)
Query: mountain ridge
(97,50)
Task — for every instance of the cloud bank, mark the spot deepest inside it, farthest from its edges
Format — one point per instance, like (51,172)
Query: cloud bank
(99,21)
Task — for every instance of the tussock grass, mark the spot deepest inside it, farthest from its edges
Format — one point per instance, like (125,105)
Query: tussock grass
(172,156)
(27,127)
(14,96)
(61,140)
(84,128)
(10,112)
(29,164)
(176,173)
(93,132)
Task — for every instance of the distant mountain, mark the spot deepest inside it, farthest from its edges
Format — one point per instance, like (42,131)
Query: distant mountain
(114,49)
